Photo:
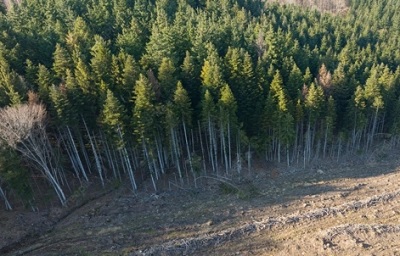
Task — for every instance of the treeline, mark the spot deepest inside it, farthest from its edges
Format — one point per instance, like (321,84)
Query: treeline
(334,6)
(112,90)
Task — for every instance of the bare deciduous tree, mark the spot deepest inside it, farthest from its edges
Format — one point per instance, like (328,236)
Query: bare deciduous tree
(23,127)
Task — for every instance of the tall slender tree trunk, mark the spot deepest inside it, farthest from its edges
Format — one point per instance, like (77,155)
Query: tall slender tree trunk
(210,134)
(325,140)
(3,195)
(188,153)
(229,146)
(77,157)
(96,156)
(373,130)
(202,148)
(149,164)
(175,153)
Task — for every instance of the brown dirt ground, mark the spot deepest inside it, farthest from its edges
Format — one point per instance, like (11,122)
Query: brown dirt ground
(350,207)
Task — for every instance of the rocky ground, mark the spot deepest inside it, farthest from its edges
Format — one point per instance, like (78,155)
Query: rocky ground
(350,207)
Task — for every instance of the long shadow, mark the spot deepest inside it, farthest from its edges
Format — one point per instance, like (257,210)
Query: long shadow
(179,210)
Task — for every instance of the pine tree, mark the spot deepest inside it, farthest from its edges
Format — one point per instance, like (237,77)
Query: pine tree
(308,78)
(161,43)
(79,40)
(100,18)
(324,79)
(284,123)
(144,111)
(133,39)
(101,61)
(112,119)
(375,102)
(313,104)
(211,72)
(167,79)
(182,104)
(330,120)
(208,118)
(190,77)
(228,123)
(31,71)
(62,62)
(8,84)
(44,81)
(295,82)
(358,116)
(129,73)
(245,88)
(88,95)
(144,120)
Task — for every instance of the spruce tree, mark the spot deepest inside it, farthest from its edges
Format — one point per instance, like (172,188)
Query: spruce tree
(62,62)
(8,84)
(113,119)
(44,81)
(101,61)
(144,110)
(167,79)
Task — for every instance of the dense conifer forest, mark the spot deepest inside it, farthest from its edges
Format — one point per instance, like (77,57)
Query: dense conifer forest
(111,90)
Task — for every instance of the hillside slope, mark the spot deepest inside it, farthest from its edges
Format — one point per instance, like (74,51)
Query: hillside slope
(350,208)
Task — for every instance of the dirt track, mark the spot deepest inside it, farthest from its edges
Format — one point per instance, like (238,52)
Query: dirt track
(347,208)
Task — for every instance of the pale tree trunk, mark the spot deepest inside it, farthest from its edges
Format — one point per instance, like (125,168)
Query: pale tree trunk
(3,195)
(188,153)
(249,158)
(127,163)
(210,135)
(84,152)
(372,134)
(96,156)
(22,128)
(229,147)
(238,154)
(160,154)
(76,155)
(150,164)
(202,149)
(223,147)
(175,153)
(70,154)
(110,158)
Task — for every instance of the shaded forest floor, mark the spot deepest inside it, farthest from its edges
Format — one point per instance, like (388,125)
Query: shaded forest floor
(350,207)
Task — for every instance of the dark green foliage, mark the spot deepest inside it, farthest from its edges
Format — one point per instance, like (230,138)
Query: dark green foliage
(15,175)
(214,78)
(113,119)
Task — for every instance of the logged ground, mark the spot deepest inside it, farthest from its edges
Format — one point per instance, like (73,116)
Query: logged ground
(350,207)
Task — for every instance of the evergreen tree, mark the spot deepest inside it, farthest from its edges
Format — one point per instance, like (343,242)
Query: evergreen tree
(324,79)
(101,61)
(44,82)
(8,84)
(211,72)
(112,119)
(190,77)
(284,123)
(31,71)
(228,123)
(133,39)
(295,82)
(167,79)
(79,40)
(161,43)
(182,104)
(144,110)
(62,62)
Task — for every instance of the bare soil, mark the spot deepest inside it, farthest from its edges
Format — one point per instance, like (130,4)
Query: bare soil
(350,207)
